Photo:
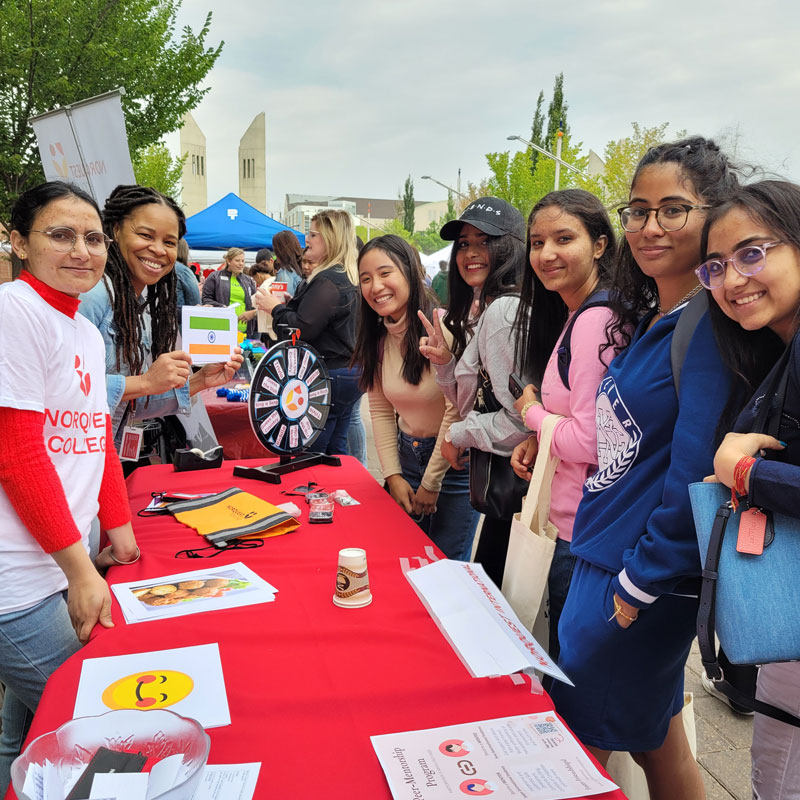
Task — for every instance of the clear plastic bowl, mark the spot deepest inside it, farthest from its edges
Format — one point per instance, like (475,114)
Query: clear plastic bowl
(156,734)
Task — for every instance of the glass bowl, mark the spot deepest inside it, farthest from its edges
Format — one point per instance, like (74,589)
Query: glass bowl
(156,734)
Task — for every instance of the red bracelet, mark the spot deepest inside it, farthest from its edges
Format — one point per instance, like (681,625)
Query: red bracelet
(740,473)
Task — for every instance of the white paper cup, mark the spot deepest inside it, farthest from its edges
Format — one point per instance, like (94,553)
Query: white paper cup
(352,580)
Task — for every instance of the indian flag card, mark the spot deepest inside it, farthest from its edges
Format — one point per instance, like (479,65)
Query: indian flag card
(209,335)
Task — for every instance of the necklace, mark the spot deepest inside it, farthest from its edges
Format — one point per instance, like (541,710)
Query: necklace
(688,296)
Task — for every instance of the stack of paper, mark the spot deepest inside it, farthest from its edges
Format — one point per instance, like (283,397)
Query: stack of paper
(192,592)
(480,625)
(219,781)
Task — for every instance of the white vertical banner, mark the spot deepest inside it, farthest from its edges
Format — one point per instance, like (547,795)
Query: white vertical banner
(86,143)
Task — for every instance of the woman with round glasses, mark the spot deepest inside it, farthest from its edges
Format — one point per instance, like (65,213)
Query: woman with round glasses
(629,619)
(66,473)
(133,308)
(753,272)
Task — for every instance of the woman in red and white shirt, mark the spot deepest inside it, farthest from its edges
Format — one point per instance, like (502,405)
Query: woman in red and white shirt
(58,466)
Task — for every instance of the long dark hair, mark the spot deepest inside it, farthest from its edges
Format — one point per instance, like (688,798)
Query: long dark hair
(542,314)
(506,265)
(711,176)
(161,297)
(750,355)
(287,251)
(371,331)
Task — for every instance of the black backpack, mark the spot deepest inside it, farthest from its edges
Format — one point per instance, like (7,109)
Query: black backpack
(684,331)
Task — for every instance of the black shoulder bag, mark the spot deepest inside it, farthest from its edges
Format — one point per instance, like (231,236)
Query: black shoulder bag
(494,488)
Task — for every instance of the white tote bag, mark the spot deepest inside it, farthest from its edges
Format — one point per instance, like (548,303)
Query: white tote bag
(533,536)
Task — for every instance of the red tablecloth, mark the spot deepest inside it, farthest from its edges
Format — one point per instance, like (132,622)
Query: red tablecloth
(231,425)
(307,682)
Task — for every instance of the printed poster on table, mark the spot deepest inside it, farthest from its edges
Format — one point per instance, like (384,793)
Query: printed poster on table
(186,680)
(192,592)
(528,757)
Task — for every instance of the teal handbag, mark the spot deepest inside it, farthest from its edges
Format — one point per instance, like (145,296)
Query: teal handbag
(752,602)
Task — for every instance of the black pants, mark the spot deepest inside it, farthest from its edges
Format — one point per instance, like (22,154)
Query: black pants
(493,546)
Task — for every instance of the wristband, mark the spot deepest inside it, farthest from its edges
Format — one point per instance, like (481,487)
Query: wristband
(124,563)
(527,407)
(740,473)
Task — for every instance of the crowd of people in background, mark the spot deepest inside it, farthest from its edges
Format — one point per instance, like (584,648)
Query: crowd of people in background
(587,319)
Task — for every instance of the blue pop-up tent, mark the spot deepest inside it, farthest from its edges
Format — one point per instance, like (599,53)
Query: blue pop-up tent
(231,222)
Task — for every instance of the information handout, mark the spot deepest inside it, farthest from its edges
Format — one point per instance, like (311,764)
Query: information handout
(532,756)
(209,335)
(480,625)
(228,782)
(192,592)
(186,680)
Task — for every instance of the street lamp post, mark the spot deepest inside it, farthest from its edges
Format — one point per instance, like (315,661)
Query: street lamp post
(557,157)
(449,188)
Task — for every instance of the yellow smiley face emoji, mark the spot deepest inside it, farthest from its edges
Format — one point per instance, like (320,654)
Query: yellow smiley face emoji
(147,690)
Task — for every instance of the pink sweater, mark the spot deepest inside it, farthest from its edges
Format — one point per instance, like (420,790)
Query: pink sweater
(575,437)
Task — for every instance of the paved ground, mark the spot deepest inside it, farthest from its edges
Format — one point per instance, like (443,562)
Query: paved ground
(723,737)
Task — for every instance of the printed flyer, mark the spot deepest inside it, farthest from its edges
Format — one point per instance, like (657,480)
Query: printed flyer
(531,756)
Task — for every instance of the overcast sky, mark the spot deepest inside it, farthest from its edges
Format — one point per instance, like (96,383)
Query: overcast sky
(360,93)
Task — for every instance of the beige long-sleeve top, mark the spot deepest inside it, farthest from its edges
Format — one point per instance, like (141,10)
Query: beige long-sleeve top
(420,411)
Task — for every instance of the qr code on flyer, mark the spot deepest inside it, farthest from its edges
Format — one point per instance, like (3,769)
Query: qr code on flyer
(544,728)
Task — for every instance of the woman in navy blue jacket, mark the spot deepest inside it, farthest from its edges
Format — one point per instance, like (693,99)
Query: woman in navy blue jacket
(629,618)
(752,268)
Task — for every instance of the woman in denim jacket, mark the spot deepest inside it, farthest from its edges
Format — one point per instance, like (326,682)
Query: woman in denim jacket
(145,376)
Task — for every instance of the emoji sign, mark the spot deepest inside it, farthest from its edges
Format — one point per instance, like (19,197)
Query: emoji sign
(147,690)
(294,399)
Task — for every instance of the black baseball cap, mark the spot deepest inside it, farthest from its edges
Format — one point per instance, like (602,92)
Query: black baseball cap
(491,215)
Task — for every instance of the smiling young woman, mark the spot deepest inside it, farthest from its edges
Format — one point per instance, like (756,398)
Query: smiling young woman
(486,266)
(752,268)
(55,477)
(571,249)
(410,416)
(133,307)
(629,619)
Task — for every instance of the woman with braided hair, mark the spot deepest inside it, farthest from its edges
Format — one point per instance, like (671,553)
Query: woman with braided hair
(144,372)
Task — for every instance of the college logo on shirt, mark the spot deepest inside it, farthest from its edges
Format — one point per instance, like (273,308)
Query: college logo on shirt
(85,379)
(618,437)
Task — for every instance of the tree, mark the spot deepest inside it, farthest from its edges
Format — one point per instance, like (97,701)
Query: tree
(557,111)
(536,129)
(154,166)
(623,155)
(56,53)
(409,206)
(451,210)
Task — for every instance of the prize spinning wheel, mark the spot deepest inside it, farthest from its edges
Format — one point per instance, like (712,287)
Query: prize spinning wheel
(290,396)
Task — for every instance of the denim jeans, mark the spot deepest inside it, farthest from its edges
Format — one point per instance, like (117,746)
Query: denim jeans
(357,435)
(344,393)
(557,586)
(452,525)
(34,642)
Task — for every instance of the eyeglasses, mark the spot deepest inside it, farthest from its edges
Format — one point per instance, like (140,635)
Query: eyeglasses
(670,217)
(747,261)
(64,239)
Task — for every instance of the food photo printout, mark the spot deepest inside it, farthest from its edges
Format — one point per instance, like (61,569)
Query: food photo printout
(184,593)
(531,756)
(186,680)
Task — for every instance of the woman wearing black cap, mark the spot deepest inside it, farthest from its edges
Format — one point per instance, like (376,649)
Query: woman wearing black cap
(486,267)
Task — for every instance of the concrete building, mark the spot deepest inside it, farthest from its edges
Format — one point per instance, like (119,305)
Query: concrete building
(194,188)
(253,164)
(299,208)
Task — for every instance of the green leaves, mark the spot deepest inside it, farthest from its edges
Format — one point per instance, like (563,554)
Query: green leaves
(56,52)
